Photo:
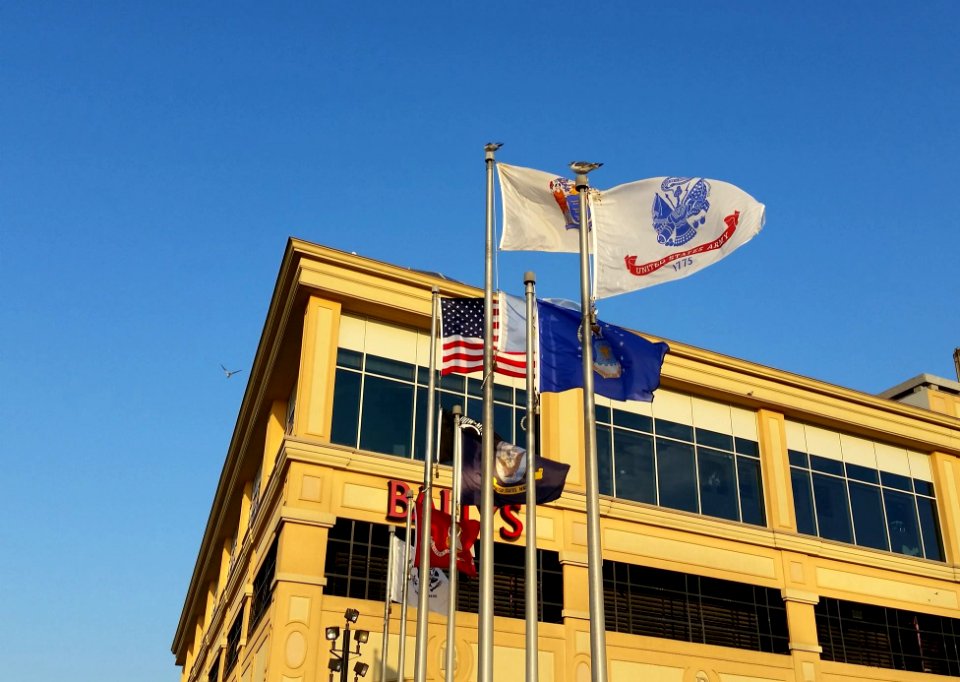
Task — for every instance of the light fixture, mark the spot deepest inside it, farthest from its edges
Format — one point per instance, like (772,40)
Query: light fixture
(351,615)
(361,636)
(334,664)
(361,669)
(332,633)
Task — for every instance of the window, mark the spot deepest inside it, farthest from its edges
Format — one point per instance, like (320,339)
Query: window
(255,495)
(233,643)
(509,578)
(380,404)
(263,586)
(678,466)
(865,506)
(356,567)
(657,603)
(865,634)
(214,674)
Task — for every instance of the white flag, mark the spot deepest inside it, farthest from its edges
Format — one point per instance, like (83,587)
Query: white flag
(541,211)
(395,581)
(662,229)
(438,595)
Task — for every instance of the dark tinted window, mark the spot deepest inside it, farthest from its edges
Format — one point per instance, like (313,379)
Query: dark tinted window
(833,508)
(657,603)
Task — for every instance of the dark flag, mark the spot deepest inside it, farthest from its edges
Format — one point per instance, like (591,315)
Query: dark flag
(510,467)
(440,550)
(625,365)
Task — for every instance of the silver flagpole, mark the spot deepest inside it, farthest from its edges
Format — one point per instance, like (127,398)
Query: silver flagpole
(598,635)
(454,539)
(485,634)
(385,645)
(533,646)
(423,517)
(401,660)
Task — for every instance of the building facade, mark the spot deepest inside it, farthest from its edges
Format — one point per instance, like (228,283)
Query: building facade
(756,525)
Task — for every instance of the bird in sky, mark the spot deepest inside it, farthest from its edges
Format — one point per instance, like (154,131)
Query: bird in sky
(229,372)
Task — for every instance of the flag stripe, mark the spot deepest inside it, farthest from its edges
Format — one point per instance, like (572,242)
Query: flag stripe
(462,343)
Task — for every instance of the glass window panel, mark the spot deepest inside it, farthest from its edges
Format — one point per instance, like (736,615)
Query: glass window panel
(519,433)
(747,447)
(349,358)
(674,430)
(474,388)
(827,466)
(603,413)
(632,420)
(896,481)
(420,425)
(605,466)
(475,409)
(868,523)
(503,394)
(635,478)
(930,529)
(751,491)
(923,487)
(346,408)
(712,439)
(860,473)
(390,368)
(387,417)
(503,421)
(448,400)
(520,397)
(833,508)
(803,501)
(718,484)
(677,476)
(423,376)
(799,459)
(902,522)
(452,382)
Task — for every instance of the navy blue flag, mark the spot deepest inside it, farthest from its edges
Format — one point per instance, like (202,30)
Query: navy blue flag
(625,366)
(510,467)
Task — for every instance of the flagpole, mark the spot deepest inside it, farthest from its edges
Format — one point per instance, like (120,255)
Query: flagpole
(401,660)
(454,548)
(485,629)
(533,646)
(598,635)
(385,645)
(423,518)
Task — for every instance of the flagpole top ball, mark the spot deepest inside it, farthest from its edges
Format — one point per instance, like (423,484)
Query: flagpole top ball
(529,278)
(490,148)
(457,410)
(581,168)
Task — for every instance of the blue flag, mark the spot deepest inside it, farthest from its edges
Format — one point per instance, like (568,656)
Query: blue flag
(625,366)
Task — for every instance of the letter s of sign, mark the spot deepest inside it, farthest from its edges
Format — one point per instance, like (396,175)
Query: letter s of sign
(397,500)
(514,526)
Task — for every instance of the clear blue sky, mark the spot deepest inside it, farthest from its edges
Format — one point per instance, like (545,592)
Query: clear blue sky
(154,160)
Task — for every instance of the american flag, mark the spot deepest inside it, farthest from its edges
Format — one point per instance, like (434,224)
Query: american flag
(461,321)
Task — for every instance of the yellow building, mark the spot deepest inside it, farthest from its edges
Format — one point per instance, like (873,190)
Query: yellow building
(756,525)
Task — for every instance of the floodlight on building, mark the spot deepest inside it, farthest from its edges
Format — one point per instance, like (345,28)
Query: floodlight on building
(361,636)
(334,664)
(332,633)
(351,615)
(360,669)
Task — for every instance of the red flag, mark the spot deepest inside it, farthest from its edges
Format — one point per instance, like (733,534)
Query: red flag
(468,529)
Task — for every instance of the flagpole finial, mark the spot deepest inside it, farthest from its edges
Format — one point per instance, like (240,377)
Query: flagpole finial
(492,146)
(457,410)
(529,277)
(581,168)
